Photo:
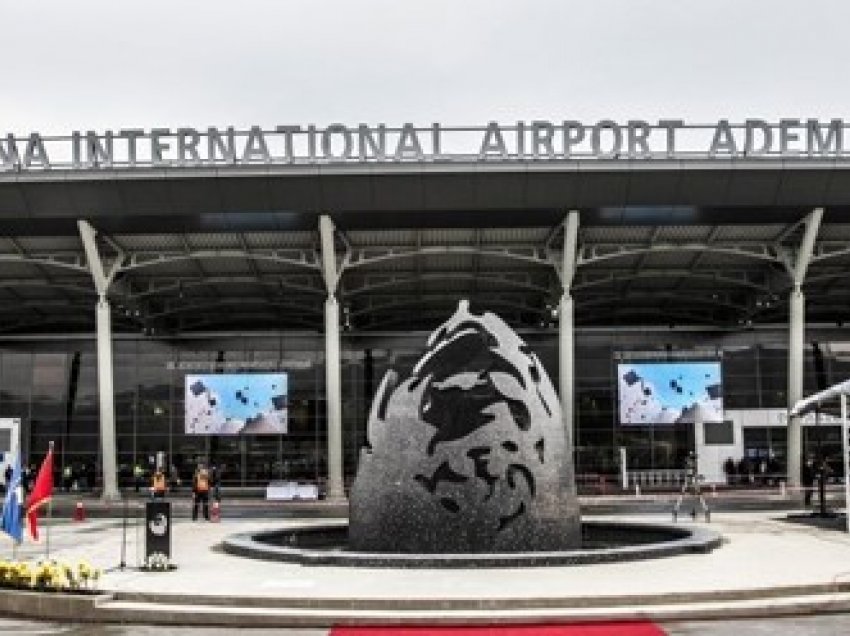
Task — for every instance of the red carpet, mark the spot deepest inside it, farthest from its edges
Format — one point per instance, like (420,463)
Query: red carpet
(584,629)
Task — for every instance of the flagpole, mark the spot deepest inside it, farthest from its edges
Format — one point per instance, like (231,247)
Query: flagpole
(49,509)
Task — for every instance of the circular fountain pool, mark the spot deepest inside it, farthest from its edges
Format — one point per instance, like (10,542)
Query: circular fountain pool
(602,542)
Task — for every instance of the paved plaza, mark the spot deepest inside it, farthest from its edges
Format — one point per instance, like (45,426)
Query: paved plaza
(766,566)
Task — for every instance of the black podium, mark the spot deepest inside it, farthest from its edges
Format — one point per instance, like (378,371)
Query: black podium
(157,528)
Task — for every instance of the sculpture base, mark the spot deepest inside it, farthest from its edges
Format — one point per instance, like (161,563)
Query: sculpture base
(602,542)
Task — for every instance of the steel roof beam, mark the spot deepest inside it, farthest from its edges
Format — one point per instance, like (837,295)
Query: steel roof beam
(140,260)
(830,249)
(146,288)
(170,310)
(398,302)
(612,278)
(362,257)
(240,318)
(377,282)
(73,263)
(595,253)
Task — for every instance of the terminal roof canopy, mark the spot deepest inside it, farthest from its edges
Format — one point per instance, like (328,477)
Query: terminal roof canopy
(218,250)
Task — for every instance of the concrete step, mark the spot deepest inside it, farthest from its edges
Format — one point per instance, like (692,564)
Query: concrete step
(484,604)
(242,616)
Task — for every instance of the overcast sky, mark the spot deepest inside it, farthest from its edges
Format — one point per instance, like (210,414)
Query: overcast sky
(99,64)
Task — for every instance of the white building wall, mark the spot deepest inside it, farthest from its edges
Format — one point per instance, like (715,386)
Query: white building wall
(711,457)
(8,452)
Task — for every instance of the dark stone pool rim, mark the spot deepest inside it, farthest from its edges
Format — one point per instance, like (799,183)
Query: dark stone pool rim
(637,541)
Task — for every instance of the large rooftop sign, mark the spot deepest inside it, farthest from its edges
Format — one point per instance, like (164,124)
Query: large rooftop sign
(341,144)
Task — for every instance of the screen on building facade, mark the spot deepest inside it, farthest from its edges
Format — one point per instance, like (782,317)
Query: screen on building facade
(237,404)
(669,392)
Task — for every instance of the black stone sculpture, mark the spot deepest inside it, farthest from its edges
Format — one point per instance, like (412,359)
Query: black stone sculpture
(468,454)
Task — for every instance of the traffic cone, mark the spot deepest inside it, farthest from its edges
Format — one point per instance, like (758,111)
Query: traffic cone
(215,515)
(79,512)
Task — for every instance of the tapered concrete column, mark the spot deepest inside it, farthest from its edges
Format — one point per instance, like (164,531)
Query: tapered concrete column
(796,339)
(331,273)
(102,277)
(796,328)
(334,400)
(566,338)
(106,398)
(566,358)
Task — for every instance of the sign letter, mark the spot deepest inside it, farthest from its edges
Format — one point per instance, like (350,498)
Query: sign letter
(724,140)
(834,142)
(638,146)
(9,155)
(36,153)
(493,142)
(187,146)
(408,144)
(596,139)
(255,147)
(541,138)
(327,142)
(670,125)
(573,136)
(787,136)
(216,145)
(158,146)
(367,144)
(750,137)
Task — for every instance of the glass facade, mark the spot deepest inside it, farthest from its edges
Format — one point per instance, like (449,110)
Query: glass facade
(51,384)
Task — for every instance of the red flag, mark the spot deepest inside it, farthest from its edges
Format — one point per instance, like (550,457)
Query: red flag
(41,493)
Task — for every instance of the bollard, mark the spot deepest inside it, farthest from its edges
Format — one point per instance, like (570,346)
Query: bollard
(782,491)
(637,490)
(215,513)
(714,490)
(79,512)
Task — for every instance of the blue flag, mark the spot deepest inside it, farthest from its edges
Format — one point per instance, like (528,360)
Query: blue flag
(12,520)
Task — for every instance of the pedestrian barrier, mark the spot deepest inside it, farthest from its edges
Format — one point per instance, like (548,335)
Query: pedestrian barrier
(657,478)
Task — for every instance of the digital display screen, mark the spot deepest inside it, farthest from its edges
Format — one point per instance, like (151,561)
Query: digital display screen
(669,392)
(237,404)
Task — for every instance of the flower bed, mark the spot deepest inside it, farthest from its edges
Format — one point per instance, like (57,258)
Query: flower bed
(49,575)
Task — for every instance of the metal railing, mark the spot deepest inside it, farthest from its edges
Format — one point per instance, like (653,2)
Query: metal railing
(656,478)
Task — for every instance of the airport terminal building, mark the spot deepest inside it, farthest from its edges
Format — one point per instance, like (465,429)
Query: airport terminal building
(160,289)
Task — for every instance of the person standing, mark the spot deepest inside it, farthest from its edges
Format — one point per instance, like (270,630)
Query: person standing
(174,477)
(201,492)
(215,479)
(26,477)
(67,477)
(729,469)
(138,476)
(158,485)
(91,474)
(807,478)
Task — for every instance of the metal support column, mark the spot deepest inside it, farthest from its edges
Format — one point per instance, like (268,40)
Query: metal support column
(796,342)
(335,488)
(106,392)
(566,342)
